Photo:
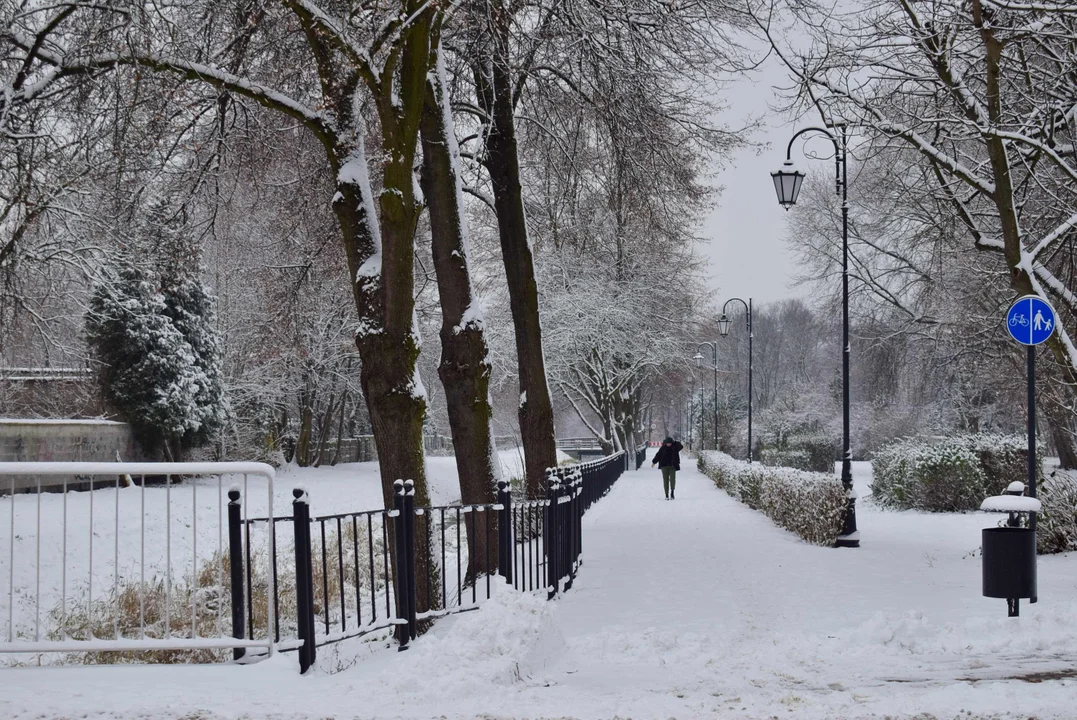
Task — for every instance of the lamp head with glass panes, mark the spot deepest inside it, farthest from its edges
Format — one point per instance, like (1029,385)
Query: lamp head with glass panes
(723,325)
(787,182)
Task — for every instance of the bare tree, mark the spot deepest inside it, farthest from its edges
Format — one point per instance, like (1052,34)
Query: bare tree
(464,367)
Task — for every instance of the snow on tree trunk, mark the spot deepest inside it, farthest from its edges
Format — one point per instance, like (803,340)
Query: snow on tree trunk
(464,368)
(503,164)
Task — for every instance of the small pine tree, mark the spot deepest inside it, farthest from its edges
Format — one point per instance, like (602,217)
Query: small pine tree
(154,335)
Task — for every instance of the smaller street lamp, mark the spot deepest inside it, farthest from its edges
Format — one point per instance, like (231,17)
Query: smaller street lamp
(714,357)
(723,329)
(699,366)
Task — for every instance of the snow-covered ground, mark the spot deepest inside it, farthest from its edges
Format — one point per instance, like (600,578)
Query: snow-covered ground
(697,607)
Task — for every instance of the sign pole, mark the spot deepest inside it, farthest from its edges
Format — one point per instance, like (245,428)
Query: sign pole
(1032,429)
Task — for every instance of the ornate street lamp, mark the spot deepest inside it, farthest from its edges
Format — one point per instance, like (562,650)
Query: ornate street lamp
(787,182)
(723,329)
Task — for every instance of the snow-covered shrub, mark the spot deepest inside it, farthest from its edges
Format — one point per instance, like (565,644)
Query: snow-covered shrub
(1003,458)
(820,449)
(948,478)
(803,445)
(892,485)
(949,475)
(1056,529)
(939,477)
(798,459)
(812,505)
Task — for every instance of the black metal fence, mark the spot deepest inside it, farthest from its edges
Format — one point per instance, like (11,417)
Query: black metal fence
(641,455)
(351,574)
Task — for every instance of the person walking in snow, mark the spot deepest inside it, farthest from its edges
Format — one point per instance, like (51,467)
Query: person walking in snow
(668,460)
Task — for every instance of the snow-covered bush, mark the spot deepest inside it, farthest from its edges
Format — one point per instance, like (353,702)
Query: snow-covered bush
(949,475)
(948,478)
(1003,458)
(892,480)
(1056,529)
(803,445)
(820,449)
(798,459)
(940,477)
(812,505)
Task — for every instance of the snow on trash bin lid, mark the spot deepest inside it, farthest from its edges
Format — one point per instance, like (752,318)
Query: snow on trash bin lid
(1010,503)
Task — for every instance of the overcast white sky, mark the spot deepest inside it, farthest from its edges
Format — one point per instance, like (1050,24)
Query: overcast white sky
(746,229)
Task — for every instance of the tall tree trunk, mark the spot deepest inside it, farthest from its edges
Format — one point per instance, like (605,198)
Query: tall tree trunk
(379,243)
(323,433)
(495,83)
(340,429)
(464,368)
(1059,419)
(302,445)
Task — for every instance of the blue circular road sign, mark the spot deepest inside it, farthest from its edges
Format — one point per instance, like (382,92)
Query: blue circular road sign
(1030,320)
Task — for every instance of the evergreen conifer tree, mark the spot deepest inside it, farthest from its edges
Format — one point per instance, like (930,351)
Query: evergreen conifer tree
(151,325)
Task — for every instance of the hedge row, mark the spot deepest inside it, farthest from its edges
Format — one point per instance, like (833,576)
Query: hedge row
(801,452)
(948,475)
(812,505)
(1056,528)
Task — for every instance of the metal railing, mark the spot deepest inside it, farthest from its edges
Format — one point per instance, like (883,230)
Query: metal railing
(162,583)
(339,580)
(583,443)
(137,563)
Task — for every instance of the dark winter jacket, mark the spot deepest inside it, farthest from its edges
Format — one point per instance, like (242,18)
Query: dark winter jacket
(669,456)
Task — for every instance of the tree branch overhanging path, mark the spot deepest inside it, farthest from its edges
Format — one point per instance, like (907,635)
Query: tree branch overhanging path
(975,102)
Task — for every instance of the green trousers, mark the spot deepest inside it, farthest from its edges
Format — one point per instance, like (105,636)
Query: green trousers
(669,479)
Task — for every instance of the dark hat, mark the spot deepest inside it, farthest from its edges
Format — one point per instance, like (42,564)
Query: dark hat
(668,440)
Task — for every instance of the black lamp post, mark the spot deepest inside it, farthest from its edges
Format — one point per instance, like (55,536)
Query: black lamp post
(689,416)
(723,329)
(714,356)
(787,182)
(699,365)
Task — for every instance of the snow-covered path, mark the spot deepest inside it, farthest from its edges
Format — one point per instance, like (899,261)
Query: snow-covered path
(697,607)
(702,605)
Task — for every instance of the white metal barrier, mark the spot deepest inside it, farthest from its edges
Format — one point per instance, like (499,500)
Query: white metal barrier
(83,564)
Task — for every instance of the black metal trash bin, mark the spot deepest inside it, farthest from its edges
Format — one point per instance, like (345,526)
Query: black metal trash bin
(1009,562)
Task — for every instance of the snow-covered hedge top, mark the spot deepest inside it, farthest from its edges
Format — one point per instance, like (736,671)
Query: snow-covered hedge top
(810,504)
(728,465)
(978,443)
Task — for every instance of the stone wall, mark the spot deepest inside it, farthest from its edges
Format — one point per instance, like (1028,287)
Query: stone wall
(63,441)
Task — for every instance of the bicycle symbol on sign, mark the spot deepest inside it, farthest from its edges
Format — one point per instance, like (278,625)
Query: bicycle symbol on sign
(1019,320)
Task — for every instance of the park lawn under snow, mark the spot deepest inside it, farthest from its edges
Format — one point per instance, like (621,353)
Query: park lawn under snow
(697,607)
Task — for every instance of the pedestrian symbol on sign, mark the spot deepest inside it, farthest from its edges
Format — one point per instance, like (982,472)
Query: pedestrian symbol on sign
(1030,320)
